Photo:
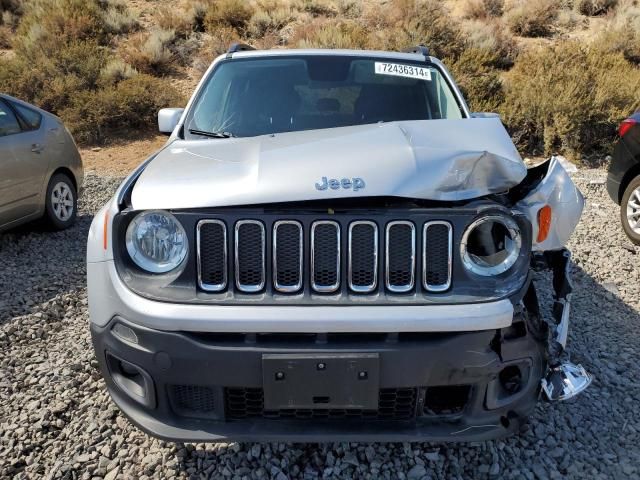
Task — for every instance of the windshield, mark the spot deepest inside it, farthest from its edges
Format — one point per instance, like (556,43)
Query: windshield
(258,96)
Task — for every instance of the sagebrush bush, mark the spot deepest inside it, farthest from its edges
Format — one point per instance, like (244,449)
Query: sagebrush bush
(482,9)
(621,33)
(332,34)
(50,22)
(228,13)
(568,98)
(64,64)
(5,37)
(13,6)
(51,80)
(118,18)
(533,18)
(317,8)
(150,52)
(595,7)
(478,80)
(491,37)
(214,44)
(130,106)
(182,22)
(271,20)
(115,71)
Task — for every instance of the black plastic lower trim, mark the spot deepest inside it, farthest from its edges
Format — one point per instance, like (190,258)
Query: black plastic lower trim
(476,402)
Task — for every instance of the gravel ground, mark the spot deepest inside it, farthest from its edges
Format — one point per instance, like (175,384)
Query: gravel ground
(56,420)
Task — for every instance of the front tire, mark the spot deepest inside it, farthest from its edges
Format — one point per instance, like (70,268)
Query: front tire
(61,203)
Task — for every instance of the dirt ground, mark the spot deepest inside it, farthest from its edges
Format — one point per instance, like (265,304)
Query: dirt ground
(119,158)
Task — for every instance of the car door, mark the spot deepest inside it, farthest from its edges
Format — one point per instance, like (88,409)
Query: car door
(22,165)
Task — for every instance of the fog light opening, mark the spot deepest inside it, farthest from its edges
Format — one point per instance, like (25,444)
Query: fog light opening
(132,380)
(129,371)
(511,379)
(446,399)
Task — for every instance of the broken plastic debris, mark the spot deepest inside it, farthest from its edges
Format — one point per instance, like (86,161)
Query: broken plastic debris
(565,381)
(566,164)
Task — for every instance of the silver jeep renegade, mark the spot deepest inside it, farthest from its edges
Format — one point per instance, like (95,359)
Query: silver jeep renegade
(332,246)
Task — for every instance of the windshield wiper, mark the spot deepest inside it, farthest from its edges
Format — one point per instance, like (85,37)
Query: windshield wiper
(211,134)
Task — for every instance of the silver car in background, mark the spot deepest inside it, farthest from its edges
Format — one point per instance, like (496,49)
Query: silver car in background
(40,167)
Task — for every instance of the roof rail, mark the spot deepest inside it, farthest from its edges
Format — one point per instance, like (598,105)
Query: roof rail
(421,49)
(238,47)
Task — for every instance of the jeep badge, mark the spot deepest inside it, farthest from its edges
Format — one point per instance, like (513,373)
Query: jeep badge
(356,183)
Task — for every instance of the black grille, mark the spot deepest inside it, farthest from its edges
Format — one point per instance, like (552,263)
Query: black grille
(287,256)
(363,252)
(400,256)
(305,256)
(212,238)
(393,404)
(437,253)
(193,401)
(326,256)
(250,256)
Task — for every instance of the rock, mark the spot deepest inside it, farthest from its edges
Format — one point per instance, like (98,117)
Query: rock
(417,472)
(112,474)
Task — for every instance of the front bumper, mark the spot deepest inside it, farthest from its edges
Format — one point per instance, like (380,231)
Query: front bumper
(432,386)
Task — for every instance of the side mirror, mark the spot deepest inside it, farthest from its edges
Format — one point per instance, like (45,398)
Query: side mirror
(168,118)
(484,115)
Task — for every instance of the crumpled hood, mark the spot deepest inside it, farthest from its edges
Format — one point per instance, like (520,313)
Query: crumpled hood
(428,159)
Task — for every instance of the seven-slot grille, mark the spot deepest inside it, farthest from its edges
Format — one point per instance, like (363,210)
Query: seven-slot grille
(394,262)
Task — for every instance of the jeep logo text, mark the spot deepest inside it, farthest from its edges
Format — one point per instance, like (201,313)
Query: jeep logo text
(355,183)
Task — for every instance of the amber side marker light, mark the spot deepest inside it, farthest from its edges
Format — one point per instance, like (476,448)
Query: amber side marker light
(104,230)
(544,223)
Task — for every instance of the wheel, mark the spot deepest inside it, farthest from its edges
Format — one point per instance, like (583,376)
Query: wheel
(630,210)
(61,203)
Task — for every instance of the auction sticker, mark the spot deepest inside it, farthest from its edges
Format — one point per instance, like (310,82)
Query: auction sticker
(399,70)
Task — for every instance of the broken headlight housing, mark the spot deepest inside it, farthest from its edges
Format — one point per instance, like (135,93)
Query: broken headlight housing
(156,241)
(491,245)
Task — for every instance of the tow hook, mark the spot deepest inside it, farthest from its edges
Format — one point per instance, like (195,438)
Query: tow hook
(564,379)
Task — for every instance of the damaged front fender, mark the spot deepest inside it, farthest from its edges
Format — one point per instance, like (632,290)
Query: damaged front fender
(550,184)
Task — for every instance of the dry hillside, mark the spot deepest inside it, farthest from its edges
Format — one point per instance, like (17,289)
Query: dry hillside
(562,73)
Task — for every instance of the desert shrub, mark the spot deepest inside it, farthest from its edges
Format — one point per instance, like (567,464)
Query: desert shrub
(349,8)
(48,23)
(595,7)
(270,20)
(130,105)
(332,34)
(427,22)
(182,22)
(228,13)
(13,6)
(481,9)
(115,71)
(5,37)
(213,45)
(118,18)
(317,8)
(150,52)
(51,80)
(568,98)
(532,18)
(479,81)
(491,37)
(621,33)
(9,19)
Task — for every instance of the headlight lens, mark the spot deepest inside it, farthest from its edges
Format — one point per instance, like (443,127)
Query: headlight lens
(491,245)
(156,241)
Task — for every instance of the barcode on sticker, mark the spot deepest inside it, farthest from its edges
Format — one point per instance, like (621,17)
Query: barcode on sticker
(400,70)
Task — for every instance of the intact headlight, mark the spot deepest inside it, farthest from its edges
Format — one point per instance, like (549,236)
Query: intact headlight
(491,245)
(156,241)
